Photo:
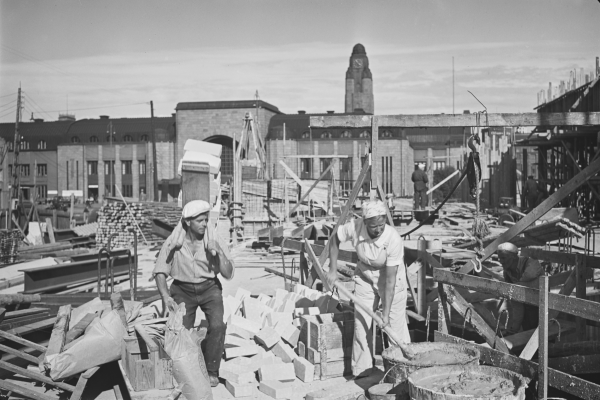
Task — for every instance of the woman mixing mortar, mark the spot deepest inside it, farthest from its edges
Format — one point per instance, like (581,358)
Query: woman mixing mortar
(380,274)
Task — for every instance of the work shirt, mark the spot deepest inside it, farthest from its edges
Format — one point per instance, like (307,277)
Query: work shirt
(373,254)
(528,269)
(419,177)
(531,187)
(184,266)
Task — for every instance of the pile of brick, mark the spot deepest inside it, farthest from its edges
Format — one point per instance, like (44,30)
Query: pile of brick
(262,340)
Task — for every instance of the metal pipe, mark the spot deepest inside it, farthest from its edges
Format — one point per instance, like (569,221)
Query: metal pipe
(133,282)
(110,238)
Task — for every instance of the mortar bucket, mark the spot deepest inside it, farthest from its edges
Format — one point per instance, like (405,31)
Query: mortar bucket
(398,368)
(384,391)
(466,383)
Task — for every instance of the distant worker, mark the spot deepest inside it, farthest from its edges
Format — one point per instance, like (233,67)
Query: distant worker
(194,259)
(522,271)
(531,192)
(380,275)
(420,180)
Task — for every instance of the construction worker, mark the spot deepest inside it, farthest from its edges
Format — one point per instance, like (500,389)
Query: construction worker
(194,259)
(531,192)
(420,180)
(523,271)
(380,274)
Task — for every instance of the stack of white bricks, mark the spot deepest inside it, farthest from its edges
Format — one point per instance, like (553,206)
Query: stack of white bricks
(261,340)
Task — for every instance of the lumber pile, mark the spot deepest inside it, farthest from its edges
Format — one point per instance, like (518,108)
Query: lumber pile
(115,218)
(262,342)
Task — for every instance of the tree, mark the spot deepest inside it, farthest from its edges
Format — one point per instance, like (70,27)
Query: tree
(439,175)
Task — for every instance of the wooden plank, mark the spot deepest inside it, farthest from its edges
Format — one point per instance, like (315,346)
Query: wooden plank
(152,346)
(422,278)
(82,381)
(560,257)
(50,230)
(543,338)
(34,327)
(116,303)
(23,313)
(59,332)
(557,379)
(23,391)
(299,182)
(570,305)
(20,354)
(21,341)
(290,244)
(35,376)
(522,338)
(562,349)
(457,120)
(533,343)
(577,364)
(79,328)
(580,292)
(444,311)
(461,306)
(537,212)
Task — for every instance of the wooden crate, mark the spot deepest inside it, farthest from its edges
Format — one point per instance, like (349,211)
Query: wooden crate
(146,369)
(326,341)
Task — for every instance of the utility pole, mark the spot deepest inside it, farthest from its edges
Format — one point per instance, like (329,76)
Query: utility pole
(15,171)
(111,164)
(154,163)
(453,85)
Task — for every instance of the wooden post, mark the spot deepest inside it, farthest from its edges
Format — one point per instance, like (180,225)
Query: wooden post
(422,278)
(444,310)
(285,188)
(71,211)
(50,228)
(543,338)
(374,151)
(580,291)
(59,332)
(430,175)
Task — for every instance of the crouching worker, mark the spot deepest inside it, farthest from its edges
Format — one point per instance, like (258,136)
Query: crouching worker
(380,274)
(194,258)
(523,271)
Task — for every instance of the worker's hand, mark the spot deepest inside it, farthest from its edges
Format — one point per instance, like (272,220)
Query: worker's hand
(170,304)
(331,277)
(213,248)
(386,322)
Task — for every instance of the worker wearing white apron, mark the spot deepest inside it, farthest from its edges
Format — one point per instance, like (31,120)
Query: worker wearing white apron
(380,274)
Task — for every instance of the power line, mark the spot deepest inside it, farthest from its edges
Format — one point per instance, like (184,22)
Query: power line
(9,112)
(27,97)
(6,95)
(95,108)
(10,102)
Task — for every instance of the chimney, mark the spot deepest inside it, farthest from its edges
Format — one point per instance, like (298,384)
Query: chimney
(466,112)
(359,111)
(173,115)
(104,117)
(330,112)
(301,112)
(38,120)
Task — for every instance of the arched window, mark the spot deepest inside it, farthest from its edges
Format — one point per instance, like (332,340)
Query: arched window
(386,134)
(326,135)
(114,139)
(365,134)
(346,134)
(127,138)
(94,139)
(75,139)
(24,145)
(305,135)
(144,138)
(41,145)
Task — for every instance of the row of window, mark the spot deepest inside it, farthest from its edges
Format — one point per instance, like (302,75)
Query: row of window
(24,145)
(24,169)
(109,167)
(95,139)
(345,135)
(126,190)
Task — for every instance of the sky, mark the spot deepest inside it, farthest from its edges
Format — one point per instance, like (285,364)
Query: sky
(112,57)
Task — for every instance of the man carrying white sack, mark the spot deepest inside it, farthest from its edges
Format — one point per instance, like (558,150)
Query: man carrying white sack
(194,258)
(380,274)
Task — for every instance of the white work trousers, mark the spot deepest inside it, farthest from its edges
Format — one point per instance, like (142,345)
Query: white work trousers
(366,293)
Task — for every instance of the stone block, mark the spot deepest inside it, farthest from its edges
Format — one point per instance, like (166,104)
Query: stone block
(277,372)
(326,304)
(238,361)
(240,389)
(238,374)
(236,341)
(234,330)
(279,317)
(263,298)
(254,310)
(305,371)
(306,311)
(251,326)
(267,337)
(277,389)
(291,335)
(283,351)
(241,294)
(288,306)
(249,350)
(301,350)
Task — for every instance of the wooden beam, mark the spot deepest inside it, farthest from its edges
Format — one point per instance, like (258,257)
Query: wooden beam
(461,306)
(24,391)
(576,364)
(152,346)
(314,185)
(50,230)
(59,332)
(533,343)
(444,310)
(344,255)
(578,307)
(35,376)
(560,257)
(457,120)
(537,212)
(580,292)
(557,379)
(592,188)
(543,338)
(21,341)
(20,354)
(298,180)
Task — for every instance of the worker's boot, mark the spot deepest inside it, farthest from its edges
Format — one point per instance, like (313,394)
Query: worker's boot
(214,380)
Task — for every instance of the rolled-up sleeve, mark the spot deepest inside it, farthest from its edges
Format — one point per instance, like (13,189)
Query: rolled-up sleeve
(347,232)
(395,250)
(533,270)
(163,263)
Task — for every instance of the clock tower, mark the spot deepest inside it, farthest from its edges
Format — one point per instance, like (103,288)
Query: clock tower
(359,82)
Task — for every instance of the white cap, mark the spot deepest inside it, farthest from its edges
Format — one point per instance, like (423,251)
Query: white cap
(195,208)
(511,248)
(372,209)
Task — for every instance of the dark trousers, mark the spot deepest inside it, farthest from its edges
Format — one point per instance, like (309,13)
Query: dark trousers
(420,199)
(208,296)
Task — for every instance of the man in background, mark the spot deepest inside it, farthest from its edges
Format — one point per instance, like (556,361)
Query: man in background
(420,180)
(531,192)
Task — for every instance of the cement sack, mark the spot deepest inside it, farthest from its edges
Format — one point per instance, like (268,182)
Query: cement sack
(100,344)
(181,346)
